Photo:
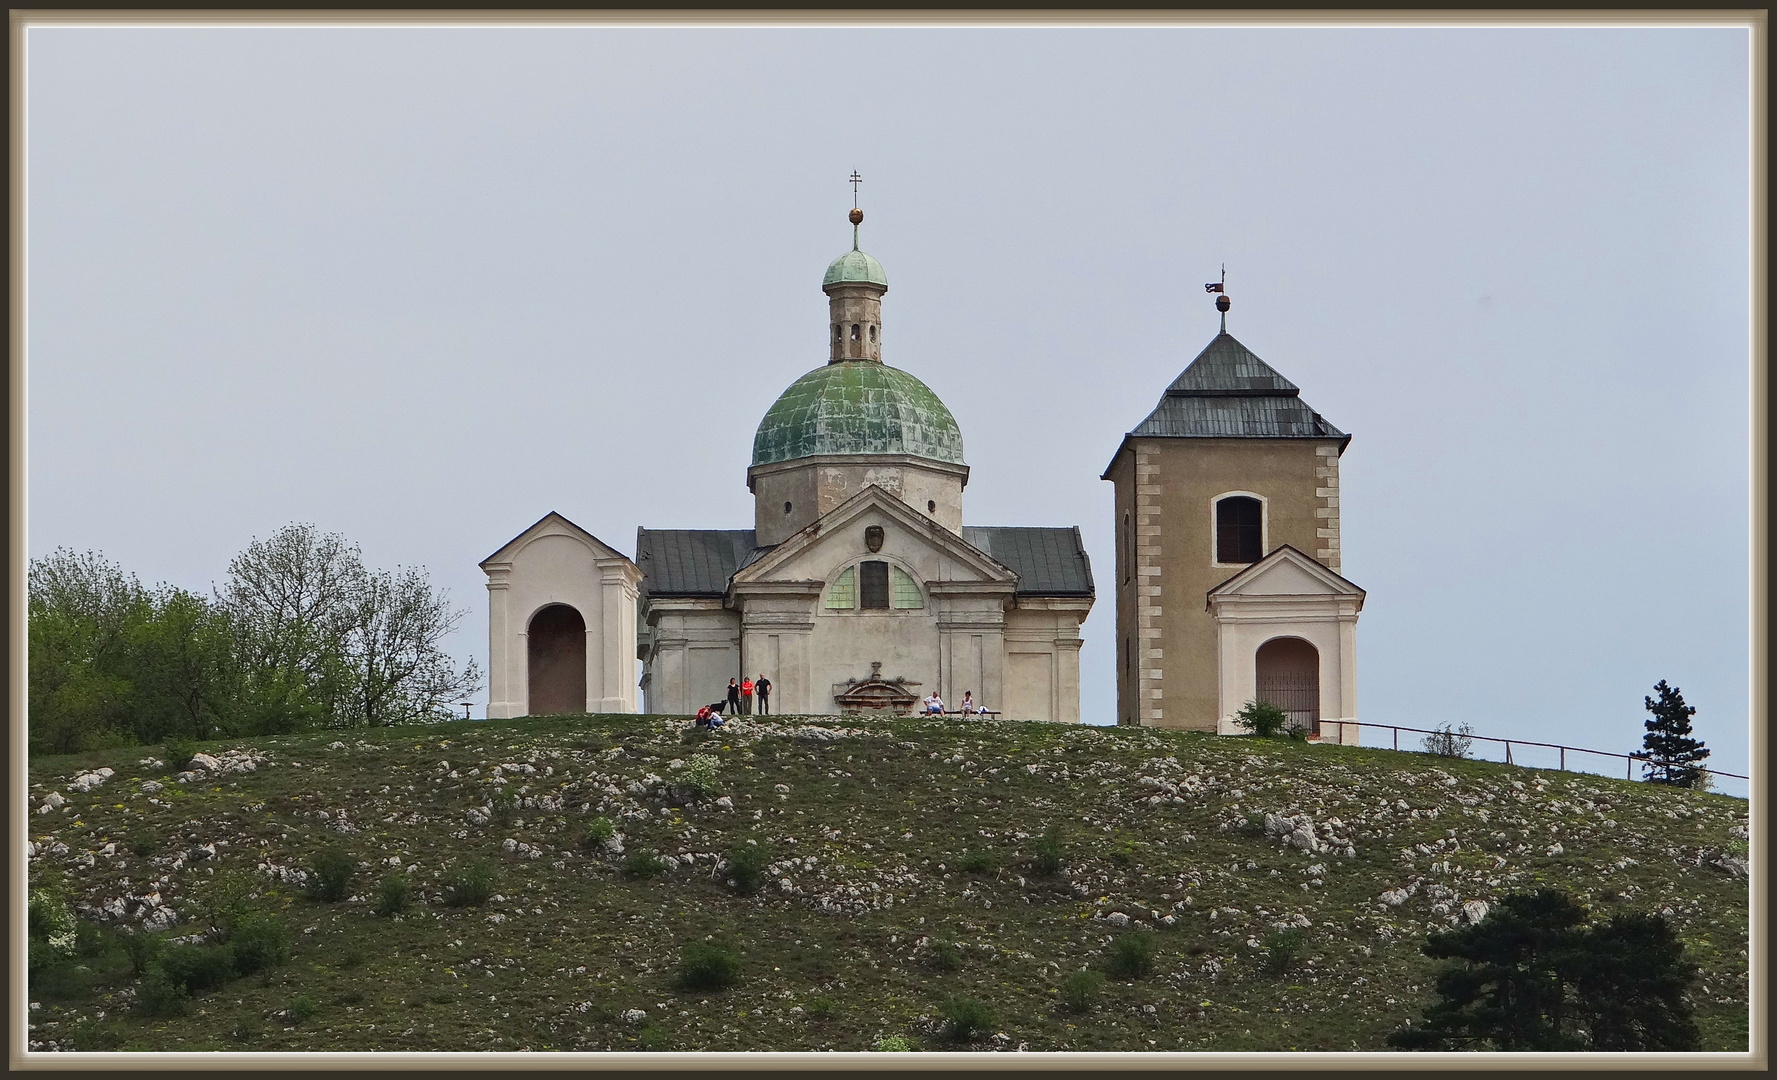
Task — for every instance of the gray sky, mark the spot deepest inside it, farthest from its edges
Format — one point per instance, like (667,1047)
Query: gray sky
(421,286)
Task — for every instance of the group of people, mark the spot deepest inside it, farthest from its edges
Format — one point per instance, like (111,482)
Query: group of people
(742,691)
(738,703)
(934,705)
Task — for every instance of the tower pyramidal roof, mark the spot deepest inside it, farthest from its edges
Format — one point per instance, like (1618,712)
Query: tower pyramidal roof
(1228,392)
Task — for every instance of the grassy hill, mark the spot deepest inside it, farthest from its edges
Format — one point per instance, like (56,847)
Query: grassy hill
(902,873)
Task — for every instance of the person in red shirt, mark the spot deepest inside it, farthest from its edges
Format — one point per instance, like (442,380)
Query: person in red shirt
(746,697)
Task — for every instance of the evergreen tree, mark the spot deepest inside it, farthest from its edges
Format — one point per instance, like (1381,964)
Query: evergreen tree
(1508,991)
(1672,755)
(1532,975)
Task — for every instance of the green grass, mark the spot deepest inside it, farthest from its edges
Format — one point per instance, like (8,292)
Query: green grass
(495,950)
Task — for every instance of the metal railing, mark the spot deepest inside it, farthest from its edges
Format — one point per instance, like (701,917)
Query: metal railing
(1630,759)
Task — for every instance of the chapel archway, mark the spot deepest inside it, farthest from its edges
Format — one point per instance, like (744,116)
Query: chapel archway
(1288,676)
(557,648)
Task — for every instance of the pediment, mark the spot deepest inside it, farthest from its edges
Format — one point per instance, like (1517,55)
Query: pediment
(802,554)
(553,524)
(1286,572)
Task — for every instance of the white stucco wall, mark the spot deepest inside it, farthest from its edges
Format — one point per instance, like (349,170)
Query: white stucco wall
(554,562)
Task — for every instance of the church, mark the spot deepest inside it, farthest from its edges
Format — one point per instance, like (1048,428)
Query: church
(858,588)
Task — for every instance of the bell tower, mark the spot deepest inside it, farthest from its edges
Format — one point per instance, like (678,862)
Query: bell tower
(854,287)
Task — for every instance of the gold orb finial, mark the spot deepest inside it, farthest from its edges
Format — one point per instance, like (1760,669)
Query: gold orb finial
(857,216)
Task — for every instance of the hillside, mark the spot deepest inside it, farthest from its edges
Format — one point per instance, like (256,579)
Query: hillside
(867,917)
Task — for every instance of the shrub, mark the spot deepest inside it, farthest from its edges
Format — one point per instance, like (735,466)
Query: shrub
(598,830)
(946,955)
(178,752)
(144,843)
(330,874)
(353,959)
(642,863)
(1262,718)
(157,995)
(1079,991)
(1132,955)
(820,1008)
(196,969)
(706,965)
(468,884)
(1046,853)
(300,1009)
(393,896)
(1282,949)
(892,1044)
(964,1018)
(142,948)
(653,1037)
(746,867)
(258,940)
(1125,851)
(977,862)
(506,811)
(702,775)
(1449,740)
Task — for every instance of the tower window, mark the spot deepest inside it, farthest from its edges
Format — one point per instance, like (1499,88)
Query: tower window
(931,506)
(837,333)
(1240,530)
(873,579)
(854,332)
(872,331)
(786,508)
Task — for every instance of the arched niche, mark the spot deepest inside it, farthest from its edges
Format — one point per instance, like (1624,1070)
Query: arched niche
(557,655)
(1287,674)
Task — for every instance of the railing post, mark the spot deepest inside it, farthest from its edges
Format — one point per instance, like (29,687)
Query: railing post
(1564,759)
(1629,766)
(1397,737)
(1508,743)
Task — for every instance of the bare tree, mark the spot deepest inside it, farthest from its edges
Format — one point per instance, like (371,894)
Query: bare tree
(399,674)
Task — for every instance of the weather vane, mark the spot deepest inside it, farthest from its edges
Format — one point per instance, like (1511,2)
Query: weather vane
(1222,301)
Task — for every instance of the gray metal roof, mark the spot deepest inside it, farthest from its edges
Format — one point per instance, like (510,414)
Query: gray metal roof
(691,562)
(700,562)
(1228,392)
(1049,562)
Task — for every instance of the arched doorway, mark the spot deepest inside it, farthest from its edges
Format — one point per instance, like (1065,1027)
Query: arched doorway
(557,647)
(1288,676)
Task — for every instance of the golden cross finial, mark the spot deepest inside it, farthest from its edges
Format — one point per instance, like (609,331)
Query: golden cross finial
(855,181)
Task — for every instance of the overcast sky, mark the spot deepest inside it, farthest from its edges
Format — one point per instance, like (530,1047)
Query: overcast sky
(421,286)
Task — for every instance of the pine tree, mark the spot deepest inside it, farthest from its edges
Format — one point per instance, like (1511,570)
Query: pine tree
(1672,755)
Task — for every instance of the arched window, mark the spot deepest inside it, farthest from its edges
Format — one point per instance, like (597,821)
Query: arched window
(1240,529)
(855,336)
(904,592)
(931,506)
(786,508)
(842,595)
(873,585)
(872,331)
(837,333)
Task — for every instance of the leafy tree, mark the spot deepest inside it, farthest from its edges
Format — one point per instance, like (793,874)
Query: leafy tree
(1672,754)
(186,675)
(1532,975)
(398,673)
(81,611)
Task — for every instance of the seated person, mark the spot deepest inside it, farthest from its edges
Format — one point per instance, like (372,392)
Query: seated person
(969,708)
(934,704)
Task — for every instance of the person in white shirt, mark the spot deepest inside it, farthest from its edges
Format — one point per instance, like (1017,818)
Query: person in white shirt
(969,707)
(935,704)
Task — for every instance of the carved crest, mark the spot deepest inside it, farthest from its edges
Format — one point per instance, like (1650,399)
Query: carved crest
(873,537)
(876,694)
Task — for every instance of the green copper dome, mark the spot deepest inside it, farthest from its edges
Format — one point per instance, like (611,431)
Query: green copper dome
(857,407)
(855,267)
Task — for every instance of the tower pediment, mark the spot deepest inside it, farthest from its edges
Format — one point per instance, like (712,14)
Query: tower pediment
(1286,573)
